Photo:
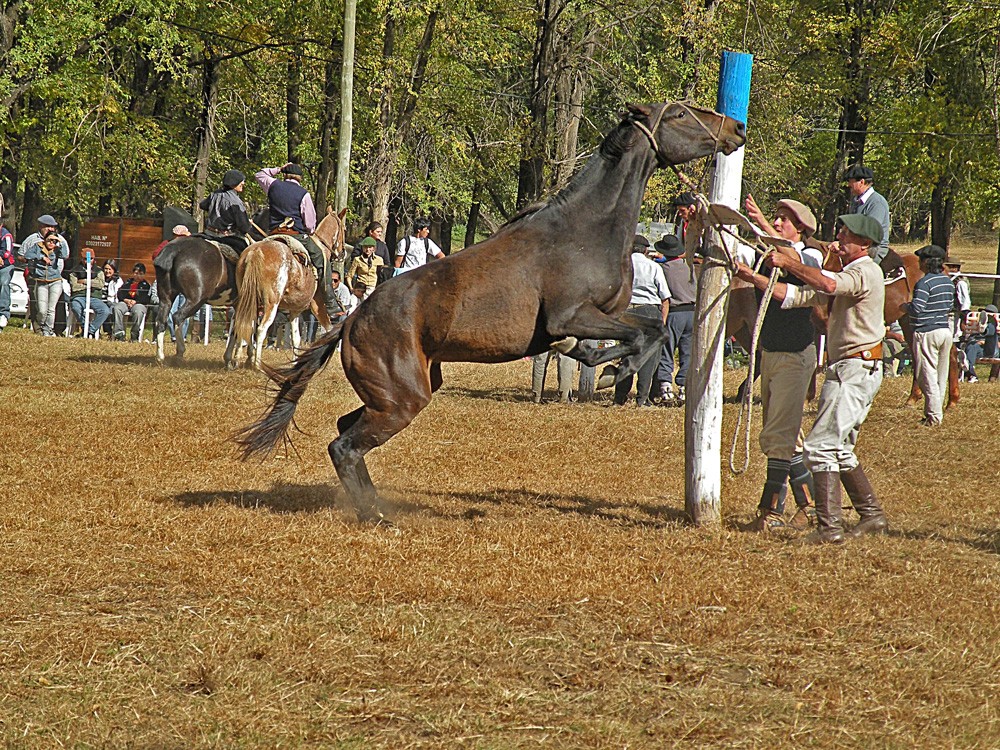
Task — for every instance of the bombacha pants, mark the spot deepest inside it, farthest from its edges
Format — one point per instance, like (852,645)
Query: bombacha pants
(844,403)
(566,368)
(931,358)
(784,382)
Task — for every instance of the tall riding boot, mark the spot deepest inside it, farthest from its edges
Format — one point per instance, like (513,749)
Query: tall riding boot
(829,527)
(803,491)
(772,499)
(859,489)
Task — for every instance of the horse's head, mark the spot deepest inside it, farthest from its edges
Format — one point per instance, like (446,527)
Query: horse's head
(679,131)
(330,232)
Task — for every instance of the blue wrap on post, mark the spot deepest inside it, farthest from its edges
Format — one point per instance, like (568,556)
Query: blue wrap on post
(734,85)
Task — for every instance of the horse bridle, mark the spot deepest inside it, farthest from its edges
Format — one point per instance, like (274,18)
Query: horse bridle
(661,159)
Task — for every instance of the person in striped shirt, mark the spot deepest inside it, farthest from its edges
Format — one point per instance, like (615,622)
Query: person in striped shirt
(933,300)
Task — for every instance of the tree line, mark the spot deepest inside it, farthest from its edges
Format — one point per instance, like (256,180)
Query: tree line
(467,111)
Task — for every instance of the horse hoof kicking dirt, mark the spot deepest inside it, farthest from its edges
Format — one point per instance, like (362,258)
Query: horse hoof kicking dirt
(571,261)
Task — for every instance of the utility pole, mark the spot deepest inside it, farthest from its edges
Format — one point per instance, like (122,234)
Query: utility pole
(346,107)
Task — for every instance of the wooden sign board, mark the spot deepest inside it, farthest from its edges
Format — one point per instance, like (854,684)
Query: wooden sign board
(128,241)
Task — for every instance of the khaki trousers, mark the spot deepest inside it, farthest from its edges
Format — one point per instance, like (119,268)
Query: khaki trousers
(844,403)
(931,359)
(784,382)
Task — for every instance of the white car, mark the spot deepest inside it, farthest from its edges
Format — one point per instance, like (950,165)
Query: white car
(18,293)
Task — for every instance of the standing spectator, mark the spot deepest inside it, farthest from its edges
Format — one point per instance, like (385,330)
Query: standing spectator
(365,267)
(45,252)
(178,231)
(787,364)
(933,299)
(683,286)
(414,250)
(6,271)
(990,332)
(855,331)
(650,299)
(78,296)
(226,217)
(963,295)
(686,206)
(376,232)
(865,201)
(133,297)
(565,369)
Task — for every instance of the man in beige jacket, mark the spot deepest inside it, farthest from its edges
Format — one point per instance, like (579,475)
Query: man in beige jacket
(854,335)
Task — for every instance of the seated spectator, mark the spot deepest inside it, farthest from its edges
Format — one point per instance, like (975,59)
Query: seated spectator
(970,346)
(112,281)
(365,267)
(360,290)
(342,298)
(99,309)
(133,297)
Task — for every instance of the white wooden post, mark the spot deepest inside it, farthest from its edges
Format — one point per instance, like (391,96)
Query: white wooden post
(86,309)
(703,406)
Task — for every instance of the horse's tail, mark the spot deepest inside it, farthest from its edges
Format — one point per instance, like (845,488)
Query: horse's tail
(253,293)
(263,435)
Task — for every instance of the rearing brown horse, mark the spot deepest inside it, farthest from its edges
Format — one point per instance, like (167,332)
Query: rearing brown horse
(559,274)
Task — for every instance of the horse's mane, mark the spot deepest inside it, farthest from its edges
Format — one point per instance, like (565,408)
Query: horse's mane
(612,148)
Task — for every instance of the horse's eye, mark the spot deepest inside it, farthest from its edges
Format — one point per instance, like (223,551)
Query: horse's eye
(681,115)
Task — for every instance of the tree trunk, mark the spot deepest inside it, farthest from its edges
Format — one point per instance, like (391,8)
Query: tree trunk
(205,133)
(853,119)
(530,172)
(917,231)
(396,126)
(292,107)
(570,91)
(325,173)
(472,222)
(942,211)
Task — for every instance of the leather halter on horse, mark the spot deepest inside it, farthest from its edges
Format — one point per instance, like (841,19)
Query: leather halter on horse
(649,132)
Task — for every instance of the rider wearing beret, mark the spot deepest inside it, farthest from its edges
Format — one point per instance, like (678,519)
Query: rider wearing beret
(226,217)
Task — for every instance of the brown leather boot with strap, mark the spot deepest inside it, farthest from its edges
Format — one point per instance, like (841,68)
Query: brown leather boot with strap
(828,498)
(859,489)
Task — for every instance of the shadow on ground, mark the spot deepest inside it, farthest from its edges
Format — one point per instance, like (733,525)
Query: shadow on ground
(310,498)
(150,361)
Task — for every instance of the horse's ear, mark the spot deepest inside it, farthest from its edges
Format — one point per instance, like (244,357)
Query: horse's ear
(637,111)
(329,208)
(343,213)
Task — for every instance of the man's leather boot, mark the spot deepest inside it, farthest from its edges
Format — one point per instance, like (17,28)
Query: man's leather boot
(771,509)
(859,489)
(829,527)
(803,490)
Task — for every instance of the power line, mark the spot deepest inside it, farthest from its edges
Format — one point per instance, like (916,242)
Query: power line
(911,133)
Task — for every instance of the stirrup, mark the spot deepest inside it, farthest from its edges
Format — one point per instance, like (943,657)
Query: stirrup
(804,518)
(765,522)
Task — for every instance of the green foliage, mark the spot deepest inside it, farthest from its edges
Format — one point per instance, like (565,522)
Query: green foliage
(104,96)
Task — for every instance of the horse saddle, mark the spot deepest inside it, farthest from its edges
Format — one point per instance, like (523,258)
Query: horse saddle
(299,251)
(227,252)
(892,267)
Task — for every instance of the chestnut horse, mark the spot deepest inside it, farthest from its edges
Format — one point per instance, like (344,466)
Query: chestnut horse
(271,277)
(558,276)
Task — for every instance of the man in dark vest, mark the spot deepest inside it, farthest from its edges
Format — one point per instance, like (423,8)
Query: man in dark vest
(289,201)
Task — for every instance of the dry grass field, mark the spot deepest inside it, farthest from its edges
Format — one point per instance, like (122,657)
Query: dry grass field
(540,589)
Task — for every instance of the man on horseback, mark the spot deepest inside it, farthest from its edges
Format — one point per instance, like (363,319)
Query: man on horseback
(226,217)
(867,202)
(291,208)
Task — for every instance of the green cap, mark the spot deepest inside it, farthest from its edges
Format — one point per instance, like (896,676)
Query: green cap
(367,242)
(863,226)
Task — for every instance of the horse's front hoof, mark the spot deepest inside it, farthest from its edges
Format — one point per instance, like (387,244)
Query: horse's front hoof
(566,345)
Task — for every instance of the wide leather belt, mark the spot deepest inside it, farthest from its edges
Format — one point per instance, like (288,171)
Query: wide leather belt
(868,355)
